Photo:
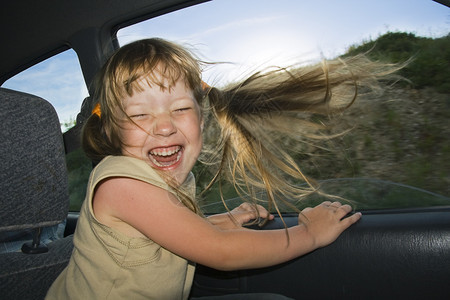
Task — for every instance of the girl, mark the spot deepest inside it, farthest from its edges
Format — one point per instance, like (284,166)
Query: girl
(140,231)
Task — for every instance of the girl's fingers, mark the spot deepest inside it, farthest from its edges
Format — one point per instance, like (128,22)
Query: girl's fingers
(352,219)
(264,213)
(246,212)
(335,205)
(344,208)
(341,210)
(326,203)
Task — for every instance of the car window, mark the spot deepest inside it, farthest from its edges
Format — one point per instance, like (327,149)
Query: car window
(59,80)
(398,142)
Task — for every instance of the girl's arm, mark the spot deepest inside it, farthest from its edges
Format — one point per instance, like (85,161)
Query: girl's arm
(239,216)
(157,214)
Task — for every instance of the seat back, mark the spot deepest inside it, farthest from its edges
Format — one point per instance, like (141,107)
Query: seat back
(34,191)
(33,177)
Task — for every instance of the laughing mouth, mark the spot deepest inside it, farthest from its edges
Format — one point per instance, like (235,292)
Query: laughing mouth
(165,157)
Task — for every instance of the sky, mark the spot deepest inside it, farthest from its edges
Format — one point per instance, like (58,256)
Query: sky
(248,35)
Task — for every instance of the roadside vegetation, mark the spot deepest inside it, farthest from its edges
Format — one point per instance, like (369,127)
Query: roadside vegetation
(402,136)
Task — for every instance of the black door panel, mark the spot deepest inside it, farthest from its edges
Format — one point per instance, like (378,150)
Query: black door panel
(399,255)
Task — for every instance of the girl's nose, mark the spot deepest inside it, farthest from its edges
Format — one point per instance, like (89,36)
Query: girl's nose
(163,126)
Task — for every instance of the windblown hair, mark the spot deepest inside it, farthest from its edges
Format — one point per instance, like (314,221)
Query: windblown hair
(254,116)
(273,113)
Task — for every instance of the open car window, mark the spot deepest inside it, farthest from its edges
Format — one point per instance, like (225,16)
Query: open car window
(397,153)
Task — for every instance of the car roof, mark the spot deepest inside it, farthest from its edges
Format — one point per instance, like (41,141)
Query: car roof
(32,31)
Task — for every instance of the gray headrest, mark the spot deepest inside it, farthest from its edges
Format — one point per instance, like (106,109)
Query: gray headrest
(33,176)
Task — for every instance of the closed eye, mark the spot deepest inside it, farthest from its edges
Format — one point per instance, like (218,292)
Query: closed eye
(182,109)
(138,116)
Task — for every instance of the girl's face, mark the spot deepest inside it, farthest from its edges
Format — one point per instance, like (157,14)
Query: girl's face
(168,128)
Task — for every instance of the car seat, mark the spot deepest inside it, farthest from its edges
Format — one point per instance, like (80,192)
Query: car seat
(34,193)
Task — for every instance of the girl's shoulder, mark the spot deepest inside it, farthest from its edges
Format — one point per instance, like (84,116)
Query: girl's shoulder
(117,185)
(118,198)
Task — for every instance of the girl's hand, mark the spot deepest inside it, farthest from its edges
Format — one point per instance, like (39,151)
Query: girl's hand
(239,216)
(246,212)
(325,222)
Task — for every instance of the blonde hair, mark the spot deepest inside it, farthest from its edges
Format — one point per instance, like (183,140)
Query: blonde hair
(273,113)
(252,115)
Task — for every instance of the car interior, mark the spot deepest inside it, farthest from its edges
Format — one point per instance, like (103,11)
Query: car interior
(395,253)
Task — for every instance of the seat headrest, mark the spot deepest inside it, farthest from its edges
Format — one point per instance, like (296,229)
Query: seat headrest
(33,176)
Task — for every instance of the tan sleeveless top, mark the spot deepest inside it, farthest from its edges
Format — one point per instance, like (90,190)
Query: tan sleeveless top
(106,264)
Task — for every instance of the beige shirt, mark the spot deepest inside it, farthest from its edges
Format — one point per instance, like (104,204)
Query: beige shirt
(106,264)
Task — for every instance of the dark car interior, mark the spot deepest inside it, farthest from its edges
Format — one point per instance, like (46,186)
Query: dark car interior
(389,254)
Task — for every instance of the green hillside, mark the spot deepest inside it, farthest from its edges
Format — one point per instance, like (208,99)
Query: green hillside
(430,65)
